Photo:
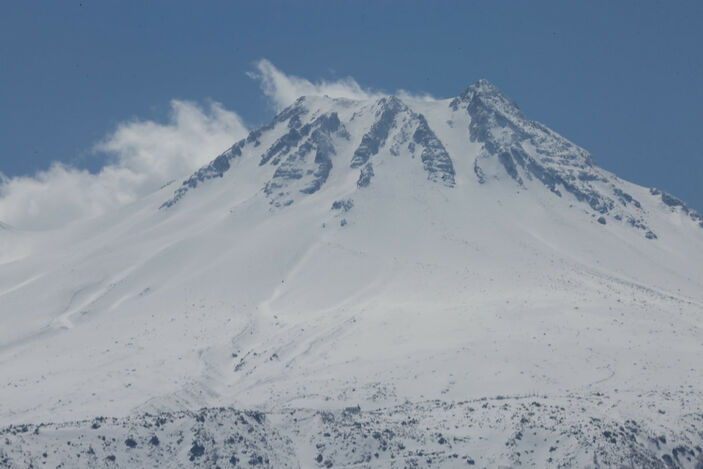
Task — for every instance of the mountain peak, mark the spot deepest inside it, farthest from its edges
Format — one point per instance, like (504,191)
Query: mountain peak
(484,86)
(319,143)
(483,93)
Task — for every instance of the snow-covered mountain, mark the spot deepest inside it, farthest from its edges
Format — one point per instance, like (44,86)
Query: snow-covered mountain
(364,283)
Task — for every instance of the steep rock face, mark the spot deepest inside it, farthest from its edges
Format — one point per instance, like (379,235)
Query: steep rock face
(437,162)
(412,134)
(527,150)
(284,144)
(375,138)
(307,165)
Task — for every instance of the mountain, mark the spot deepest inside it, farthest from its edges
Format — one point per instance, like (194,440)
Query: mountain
(388,282)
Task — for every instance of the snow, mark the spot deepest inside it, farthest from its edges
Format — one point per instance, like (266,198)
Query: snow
(427,293)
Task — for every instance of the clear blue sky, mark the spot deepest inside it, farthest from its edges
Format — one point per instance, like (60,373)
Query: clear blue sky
(623,79)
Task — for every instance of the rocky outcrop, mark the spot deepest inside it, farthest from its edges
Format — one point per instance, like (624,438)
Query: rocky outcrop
(216,169)
(527,150)
(308,163)
(677,204)
(505,431)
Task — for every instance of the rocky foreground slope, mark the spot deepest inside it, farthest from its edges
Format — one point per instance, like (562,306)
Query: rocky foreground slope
(531,431)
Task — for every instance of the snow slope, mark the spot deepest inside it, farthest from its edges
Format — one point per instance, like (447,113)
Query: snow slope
(398,255)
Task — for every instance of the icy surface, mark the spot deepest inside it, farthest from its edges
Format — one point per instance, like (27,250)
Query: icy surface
(368,268)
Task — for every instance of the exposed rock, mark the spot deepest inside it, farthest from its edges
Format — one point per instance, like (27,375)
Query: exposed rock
(506,431)
(528,150)
(435,158)
(374,139)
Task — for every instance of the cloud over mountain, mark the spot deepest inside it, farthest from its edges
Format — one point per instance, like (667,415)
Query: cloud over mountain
(284,89)
(143,156)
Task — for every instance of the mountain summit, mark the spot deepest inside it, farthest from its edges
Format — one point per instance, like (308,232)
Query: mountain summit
(307,140)
(387,282)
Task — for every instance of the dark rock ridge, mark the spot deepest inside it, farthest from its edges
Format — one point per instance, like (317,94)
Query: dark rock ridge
(392,113)
(318,140)
(292,115)
(434,157)
(676,203)
(290,139)
(221,164)
(527,150)
(376,137)
(215,169)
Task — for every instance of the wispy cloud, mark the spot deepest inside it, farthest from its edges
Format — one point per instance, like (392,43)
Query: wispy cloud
(284,89)
(143,156)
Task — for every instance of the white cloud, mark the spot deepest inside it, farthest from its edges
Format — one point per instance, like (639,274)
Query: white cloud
(192,138)
(284,89)
(144,155)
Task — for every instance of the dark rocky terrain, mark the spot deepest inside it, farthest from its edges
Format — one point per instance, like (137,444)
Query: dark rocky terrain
(527,431)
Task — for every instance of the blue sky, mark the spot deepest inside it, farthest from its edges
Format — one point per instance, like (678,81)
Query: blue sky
(622,79)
